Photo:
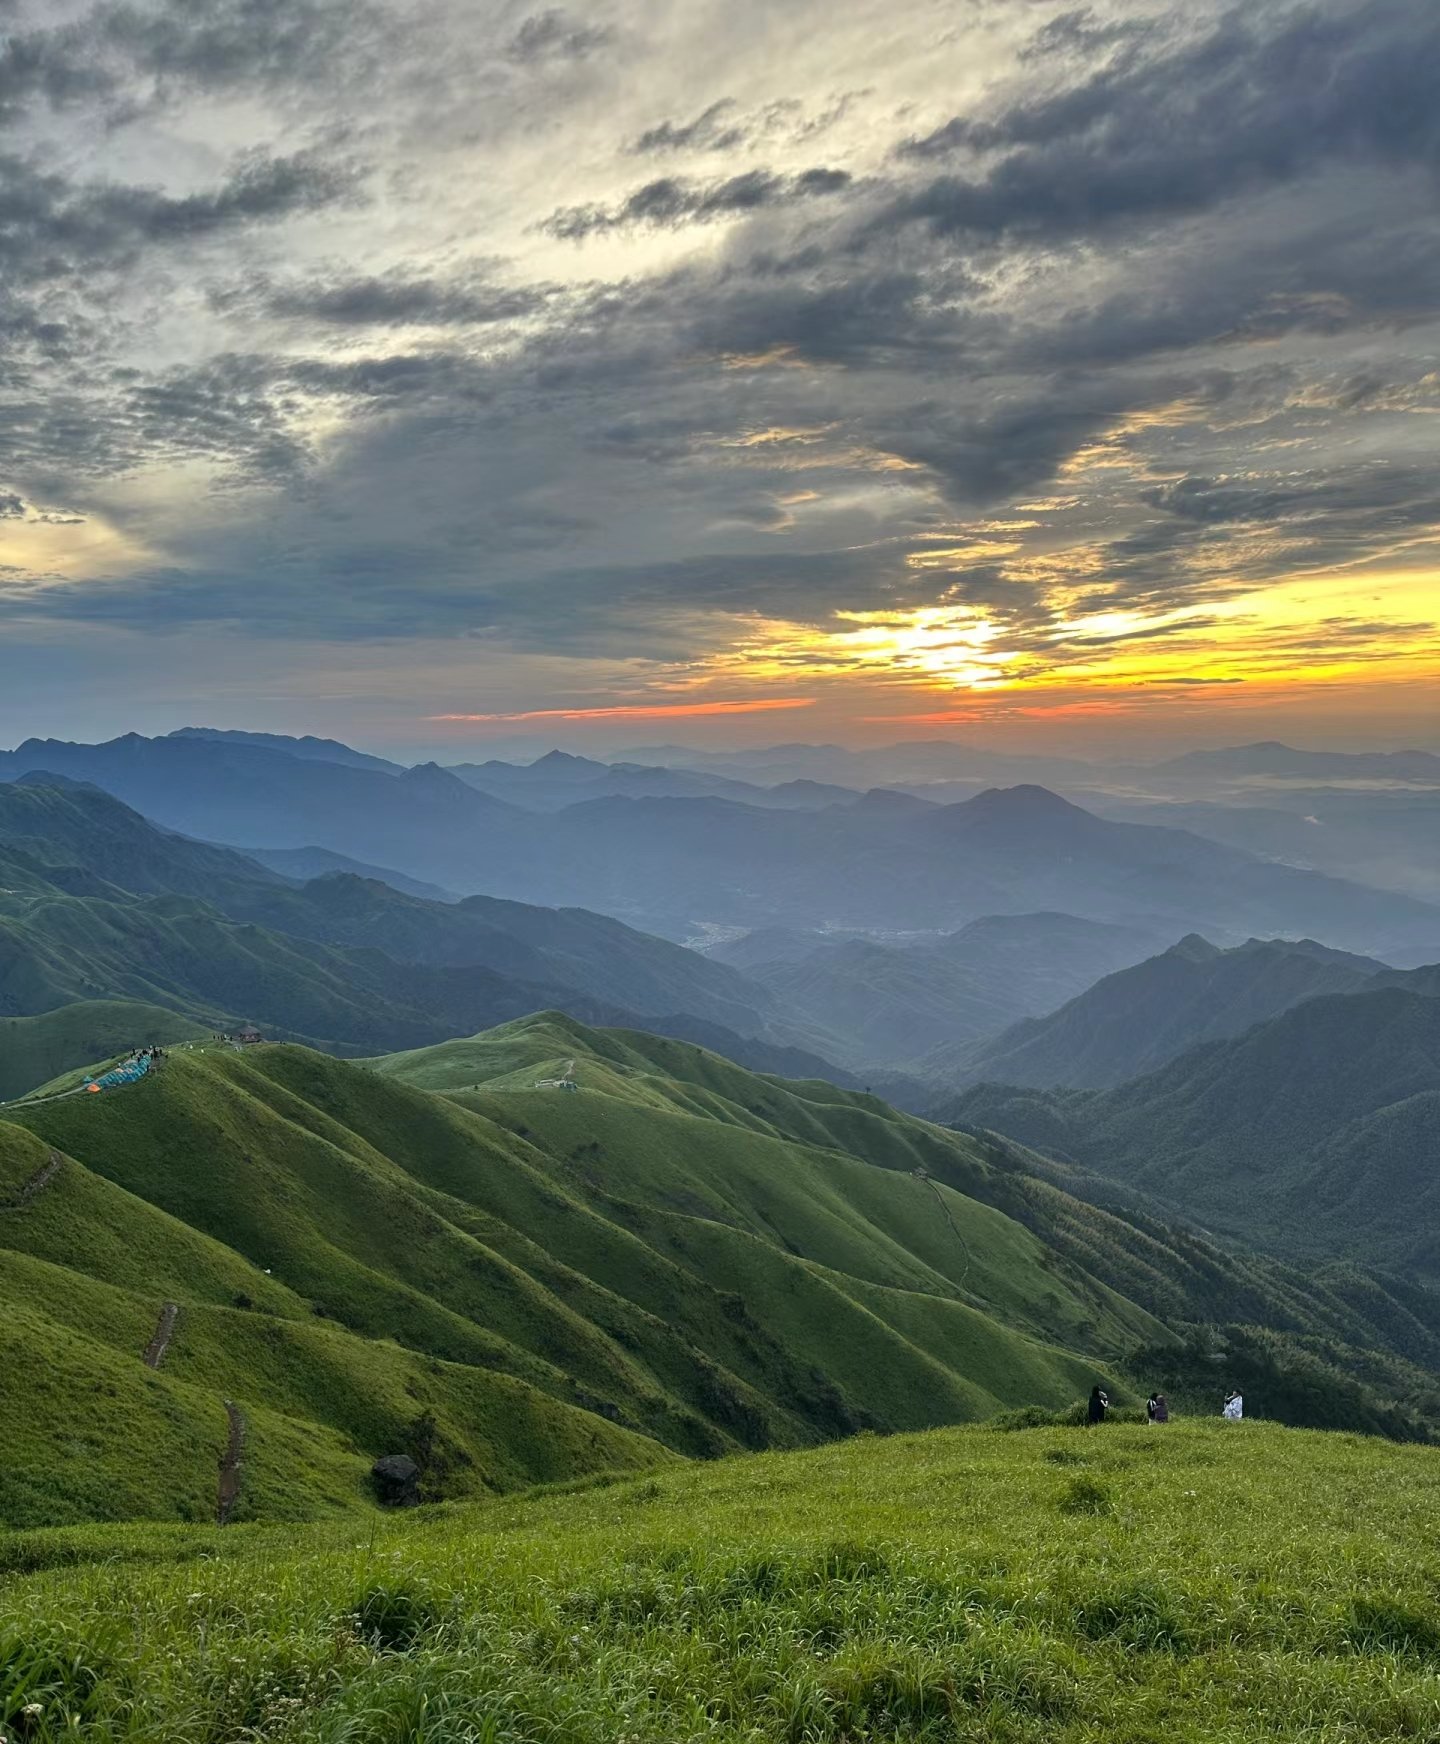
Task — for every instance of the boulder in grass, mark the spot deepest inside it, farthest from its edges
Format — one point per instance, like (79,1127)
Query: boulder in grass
(397,1480)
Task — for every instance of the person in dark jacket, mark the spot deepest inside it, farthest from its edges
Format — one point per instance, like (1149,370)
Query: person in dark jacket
(1156,1409)
(1098,1406)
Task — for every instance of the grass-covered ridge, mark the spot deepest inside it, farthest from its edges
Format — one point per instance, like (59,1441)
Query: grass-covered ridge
(1201,1582)
(433,1255)
(684,1258)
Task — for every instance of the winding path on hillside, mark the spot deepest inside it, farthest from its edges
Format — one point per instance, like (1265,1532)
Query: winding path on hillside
(923,1175)
(164,1330)
(230,1465)
(37,1183)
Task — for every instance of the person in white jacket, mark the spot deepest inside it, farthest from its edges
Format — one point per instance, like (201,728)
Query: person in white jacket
(1234,1408)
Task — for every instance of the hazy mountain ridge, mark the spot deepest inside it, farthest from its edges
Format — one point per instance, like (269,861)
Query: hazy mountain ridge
(907,1004)
(1133,1021)
(1313,1134)
(98,904)
(666,863)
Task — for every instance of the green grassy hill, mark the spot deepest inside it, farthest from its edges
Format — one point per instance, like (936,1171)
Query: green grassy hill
(1195,1583)
(1313,1136)
(432,1254)
(34,1050)
(1333,1319)
(698,1261)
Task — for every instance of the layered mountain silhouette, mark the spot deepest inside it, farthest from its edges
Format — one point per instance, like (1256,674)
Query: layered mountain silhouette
(911,1006)
(98,905)
(884,861)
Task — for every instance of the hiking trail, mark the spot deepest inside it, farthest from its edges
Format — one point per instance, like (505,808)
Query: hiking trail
(164,1329)
(923,1175)
(37,1183)
(230,1465)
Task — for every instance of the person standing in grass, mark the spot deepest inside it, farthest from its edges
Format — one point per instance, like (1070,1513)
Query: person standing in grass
(1098,1406)
(1234,1408)
(1156,1409)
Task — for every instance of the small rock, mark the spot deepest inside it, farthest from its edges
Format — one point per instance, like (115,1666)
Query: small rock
(397,1480)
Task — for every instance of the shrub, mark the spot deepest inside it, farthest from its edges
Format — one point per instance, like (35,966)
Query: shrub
(1085,1496)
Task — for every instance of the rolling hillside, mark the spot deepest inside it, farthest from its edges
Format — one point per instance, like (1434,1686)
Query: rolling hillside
(33,1050)
(316,1263)
(1313,1135)
(523,1283)
(1140,1017)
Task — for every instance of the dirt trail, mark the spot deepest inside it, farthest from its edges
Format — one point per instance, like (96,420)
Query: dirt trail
(164,1330)
(37,1183)
(230,1465)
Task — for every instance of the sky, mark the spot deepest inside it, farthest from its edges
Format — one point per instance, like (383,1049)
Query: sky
(431,372)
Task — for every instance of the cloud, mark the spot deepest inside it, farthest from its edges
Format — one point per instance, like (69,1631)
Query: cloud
(50,227)
(391,300)
(128,57)
(723,126)
(1191,118)
(1155,294)
(645,711)
(555,35)
(713,129)
(671,201)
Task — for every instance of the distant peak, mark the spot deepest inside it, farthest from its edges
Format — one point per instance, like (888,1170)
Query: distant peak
(558,759)
(431,775)
(1025,800)
(1195,947)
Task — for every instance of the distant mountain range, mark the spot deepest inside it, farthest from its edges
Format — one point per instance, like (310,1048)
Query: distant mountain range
(906,1006)
(307,748)
(96,904)
(882,861)
(1275,761)
(558,779)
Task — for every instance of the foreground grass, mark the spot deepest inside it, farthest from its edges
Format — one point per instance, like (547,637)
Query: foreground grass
(1199,1582)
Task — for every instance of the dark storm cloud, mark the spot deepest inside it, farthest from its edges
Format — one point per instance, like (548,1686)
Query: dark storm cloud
(1387,495)
(129,57)
(652,609)
(225,412)
(225,44)
(671,202)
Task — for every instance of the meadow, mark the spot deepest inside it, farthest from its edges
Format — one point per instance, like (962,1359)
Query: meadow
(1200,1581)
